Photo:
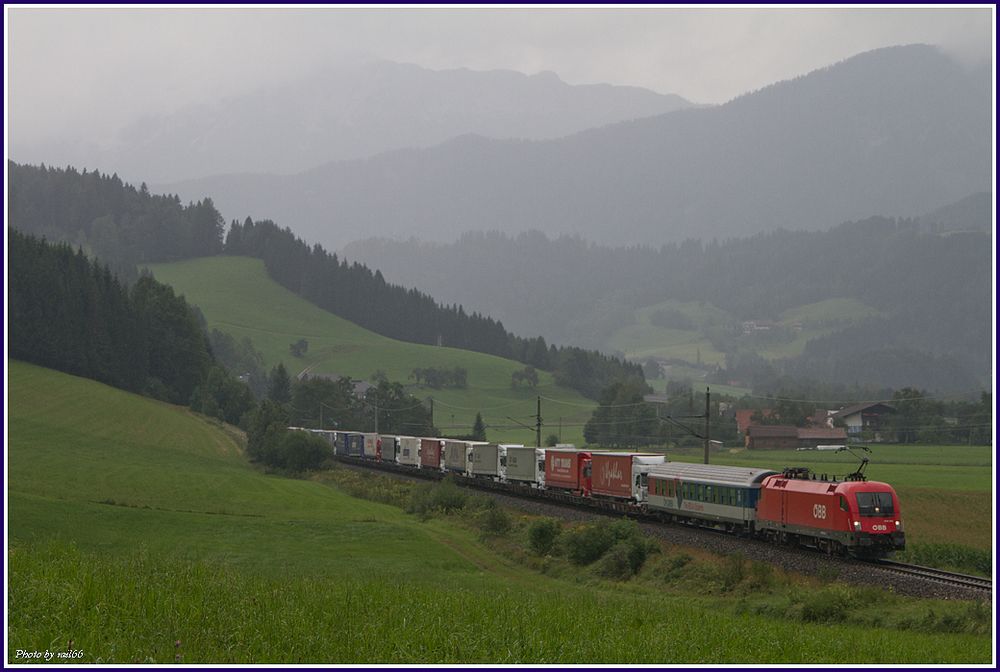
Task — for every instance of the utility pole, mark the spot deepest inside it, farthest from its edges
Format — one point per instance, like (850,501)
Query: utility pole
(376,415)
(538,424)
(707,416)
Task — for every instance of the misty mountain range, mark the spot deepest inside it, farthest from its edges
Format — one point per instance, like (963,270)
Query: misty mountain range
(351,112)
(895,131)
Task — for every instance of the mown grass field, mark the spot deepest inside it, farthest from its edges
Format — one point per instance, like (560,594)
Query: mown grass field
(643,339)
(946,492)
(236,296)
(139,533)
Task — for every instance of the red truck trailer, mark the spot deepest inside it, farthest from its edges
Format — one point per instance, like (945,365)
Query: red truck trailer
(568,469)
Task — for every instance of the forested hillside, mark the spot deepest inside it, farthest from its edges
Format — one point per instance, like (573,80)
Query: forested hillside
(926,297)
(70,313)
(364,297)
(123,226)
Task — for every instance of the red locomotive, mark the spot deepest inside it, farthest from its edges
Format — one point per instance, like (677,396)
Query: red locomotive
(851,516)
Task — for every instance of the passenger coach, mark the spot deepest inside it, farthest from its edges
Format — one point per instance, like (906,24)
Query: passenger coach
(715,496)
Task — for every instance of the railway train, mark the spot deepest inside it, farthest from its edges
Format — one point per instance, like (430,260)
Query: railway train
(849,516)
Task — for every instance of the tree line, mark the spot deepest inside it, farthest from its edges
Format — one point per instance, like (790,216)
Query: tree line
(111,220)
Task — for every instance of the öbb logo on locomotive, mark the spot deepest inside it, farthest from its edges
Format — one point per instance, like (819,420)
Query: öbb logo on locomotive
(819,511)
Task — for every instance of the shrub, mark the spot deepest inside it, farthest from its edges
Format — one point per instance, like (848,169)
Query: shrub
(733,571)
(444,496)
(829,605)
(494,522)
(616,563)
(301,451)
(673,566)
(761,576)
(625,558)
(586,544)
(542,535)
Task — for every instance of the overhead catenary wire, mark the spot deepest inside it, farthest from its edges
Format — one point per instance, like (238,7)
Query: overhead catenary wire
(484,408)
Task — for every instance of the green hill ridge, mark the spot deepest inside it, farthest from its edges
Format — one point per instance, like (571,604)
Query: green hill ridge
(237,296)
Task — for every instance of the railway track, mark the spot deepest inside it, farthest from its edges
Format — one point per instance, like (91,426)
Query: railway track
(940,576)
(937,583)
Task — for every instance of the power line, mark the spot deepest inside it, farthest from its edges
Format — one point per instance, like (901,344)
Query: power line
(486,408)
(570,403)
(844,401)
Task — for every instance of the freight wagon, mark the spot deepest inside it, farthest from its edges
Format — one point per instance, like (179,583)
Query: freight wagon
(490,460)
(525,465)
(568,469)
(458,455)
(388,447)
(622,475)
(409,451)
(370,445)
(348,444)
(431,454)
(354,445)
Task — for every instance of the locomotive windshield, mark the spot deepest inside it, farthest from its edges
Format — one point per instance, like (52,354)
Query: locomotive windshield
(875,503)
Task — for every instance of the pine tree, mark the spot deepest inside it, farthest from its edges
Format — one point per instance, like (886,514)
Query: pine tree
(479,428)
(280,385)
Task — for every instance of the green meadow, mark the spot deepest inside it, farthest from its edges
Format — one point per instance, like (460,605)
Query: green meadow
(138,533)
(236,296)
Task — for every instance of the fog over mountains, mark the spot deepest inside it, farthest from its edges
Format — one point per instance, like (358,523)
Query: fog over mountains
(351,112)
(895,131)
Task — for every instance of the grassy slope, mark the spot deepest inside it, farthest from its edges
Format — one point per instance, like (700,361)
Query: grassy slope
(946,491)
(237,296)
(294,571)
(111,471)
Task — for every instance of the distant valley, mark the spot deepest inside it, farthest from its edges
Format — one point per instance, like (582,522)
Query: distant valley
(801,298)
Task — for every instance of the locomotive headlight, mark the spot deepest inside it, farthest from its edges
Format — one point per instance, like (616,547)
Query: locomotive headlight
(899,525)
(857,525)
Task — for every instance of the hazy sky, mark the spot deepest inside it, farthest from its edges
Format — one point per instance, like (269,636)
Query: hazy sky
(94,70)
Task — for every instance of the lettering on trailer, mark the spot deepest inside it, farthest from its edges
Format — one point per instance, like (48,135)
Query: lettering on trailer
(610,473)
(562,464)
(819,511)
